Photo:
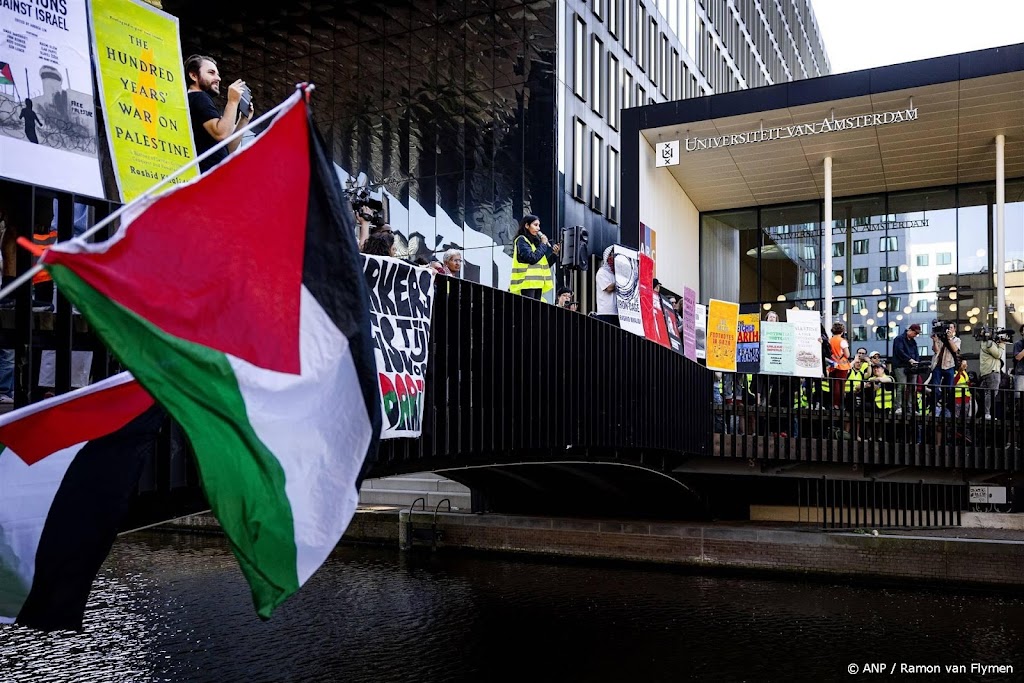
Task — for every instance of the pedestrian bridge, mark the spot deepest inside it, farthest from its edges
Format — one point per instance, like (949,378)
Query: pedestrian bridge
(543,410)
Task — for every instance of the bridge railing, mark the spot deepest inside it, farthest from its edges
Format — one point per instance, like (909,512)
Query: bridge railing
(786,418)
(513,379)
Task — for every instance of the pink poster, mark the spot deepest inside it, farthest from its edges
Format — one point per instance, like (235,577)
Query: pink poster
(690,323)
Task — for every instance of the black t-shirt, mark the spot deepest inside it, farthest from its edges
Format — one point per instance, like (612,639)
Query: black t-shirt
(202,109)
(1018,368)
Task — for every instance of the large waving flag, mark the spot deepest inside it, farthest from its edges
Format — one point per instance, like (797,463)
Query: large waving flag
(68,467)
(237,301)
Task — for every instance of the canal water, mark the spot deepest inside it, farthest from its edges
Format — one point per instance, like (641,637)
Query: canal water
(171,607)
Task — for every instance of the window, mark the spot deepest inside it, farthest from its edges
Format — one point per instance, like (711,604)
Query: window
(627,89)
(838,277)
(860,333)
(884,332)
(859,305)
(665,77)
(641,96)
(628,27)
(613,91)
(613,17)
(860,247)
(943,258)
(810,252)
(860,276)
(652,50)
(922,259)
(641,31)
(893,303)
(579,139)
(923,351)
(596,98)
(922,306)
(596,170)
(596,5)
(579,82)
(839,307)
(888,244)
(613,184)
(924,329)
(810,279)
(889,274)
(922,284)
(838,249)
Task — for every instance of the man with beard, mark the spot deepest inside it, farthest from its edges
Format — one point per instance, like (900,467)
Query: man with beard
(208,125)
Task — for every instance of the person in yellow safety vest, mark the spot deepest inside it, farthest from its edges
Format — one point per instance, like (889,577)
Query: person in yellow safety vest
(883,386)
(532,258)
(961,390)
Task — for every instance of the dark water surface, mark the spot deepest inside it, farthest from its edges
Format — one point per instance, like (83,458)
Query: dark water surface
(175,608)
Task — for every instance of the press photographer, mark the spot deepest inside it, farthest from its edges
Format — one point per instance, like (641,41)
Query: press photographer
(992,347)
(945,360)
(369,212)
(907,366)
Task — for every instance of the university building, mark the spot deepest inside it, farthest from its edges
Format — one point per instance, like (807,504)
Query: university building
(464,115)
(917,169)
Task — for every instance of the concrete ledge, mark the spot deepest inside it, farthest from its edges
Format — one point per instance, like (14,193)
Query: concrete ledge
(779,549)
(992,520)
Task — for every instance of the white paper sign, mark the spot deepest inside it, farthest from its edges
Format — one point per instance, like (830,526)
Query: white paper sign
(667,153)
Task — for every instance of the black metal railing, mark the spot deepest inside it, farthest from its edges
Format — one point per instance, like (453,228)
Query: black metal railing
(516,380)
(821,420)
(838,503)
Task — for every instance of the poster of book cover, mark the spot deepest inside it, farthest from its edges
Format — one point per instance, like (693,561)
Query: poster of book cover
(650,304)
(627,289)
(690,323)
(138,64)
(48,132)
(748,339)
(672,325)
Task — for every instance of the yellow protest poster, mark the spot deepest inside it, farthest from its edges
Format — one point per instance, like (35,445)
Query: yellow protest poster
(142,89)
(722,319)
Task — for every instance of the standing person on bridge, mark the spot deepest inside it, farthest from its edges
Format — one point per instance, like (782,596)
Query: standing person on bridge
(532,257)
(840,350)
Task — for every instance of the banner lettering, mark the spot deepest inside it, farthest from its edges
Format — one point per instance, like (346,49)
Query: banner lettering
(401,299)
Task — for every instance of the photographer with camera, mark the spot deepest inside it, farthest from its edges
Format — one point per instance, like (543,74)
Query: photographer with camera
(945,360)
(905,360)
(991,358)
(1018,364)
(208,125)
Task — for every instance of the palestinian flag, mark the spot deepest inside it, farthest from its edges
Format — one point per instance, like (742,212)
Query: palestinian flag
(6,77)
(68,467)
(237,301)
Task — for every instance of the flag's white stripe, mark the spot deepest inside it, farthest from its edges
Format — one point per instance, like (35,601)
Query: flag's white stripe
(317,426)
(26,494)
(102,385)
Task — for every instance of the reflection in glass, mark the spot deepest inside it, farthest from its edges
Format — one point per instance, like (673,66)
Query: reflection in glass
(790,236)
(728,268)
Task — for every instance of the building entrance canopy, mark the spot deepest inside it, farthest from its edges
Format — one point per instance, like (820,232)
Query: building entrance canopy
(902,127)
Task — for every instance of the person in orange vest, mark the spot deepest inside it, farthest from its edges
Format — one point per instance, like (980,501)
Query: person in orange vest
(840,363)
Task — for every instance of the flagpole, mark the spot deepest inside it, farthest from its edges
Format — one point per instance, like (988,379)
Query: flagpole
(31,272)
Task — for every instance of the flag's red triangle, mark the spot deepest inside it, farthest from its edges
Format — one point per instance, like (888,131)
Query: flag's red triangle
(218,261)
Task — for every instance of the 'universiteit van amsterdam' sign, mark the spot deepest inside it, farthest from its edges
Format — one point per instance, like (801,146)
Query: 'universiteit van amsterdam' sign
(827,125)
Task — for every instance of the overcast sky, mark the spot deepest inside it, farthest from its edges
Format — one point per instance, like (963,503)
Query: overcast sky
(860,34)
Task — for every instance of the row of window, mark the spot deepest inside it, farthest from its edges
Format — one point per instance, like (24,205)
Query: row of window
(889,303)
(888,244)
(603,183)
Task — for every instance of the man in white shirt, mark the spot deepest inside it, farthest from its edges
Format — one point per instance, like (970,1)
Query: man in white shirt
(607,300)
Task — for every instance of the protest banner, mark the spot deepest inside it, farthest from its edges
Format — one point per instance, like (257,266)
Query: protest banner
(700,331)
(401,298)
(627,289)
(650,304)
(748,340)
(671,325)
(48,130)
(807,339)
(142,87)
(778,348)
(721,334)
(689,323)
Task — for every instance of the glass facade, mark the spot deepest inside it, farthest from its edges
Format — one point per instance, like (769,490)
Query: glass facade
(433,102)
(897,259)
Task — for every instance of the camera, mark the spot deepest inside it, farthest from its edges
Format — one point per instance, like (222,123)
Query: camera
(940,329)
(363,204)
(985,333)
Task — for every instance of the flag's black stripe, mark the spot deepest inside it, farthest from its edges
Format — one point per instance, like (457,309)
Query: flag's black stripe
(333,274)
(83,521)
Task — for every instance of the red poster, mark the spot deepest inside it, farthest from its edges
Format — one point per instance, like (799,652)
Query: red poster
(650,304)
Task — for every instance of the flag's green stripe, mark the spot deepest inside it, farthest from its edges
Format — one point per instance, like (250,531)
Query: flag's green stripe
(244,482)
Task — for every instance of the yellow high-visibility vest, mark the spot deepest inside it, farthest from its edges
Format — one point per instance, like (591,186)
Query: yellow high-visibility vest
(529,275)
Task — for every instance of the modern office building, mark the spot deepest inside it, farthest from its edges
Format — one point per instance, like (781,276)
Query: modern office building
(917,169)
(466,114)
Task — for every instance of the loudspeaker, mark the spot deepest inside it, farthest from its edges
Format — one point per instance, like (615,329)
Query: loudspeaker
(575,249)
